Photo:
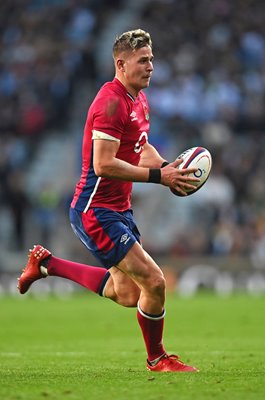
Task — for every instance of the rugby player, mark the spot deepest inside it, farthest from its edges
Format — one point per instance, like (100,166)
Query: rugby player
(116,153)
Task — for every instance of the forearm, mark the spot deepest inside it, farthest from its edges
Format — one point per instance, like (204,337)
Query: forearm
(150,169)
(121,170)
(107,165)
(168,176)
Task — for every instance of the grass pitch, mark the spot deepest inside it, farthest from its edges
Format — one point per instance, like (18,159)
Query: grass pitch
(86,347)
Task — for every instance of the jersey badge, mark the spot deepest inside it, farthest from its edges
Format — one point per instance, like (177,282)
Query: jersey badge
(146,113)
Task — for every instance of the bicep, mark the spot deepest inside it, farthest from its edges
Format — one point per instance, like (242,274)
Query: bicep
(104,152)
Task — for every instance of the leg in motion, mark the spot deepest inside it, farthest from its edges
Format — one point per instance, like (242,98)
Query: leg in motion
(42,263)
(112,283)
(150,314)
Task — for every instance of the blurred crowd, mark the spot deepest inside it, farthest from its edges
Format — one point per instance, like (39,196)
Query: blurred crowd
(45,48)
(208,88)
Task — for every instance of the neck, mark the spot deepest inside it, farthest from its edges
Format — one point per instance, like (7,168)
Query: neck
(133,92)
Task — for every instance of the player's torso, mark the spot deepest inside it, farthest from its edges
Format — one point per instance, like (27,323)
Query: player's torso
(137,131)
(127,121)
(134,114)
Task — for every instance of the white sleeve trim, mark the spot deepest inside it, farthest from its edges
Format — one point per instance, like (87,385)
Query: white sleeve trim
(102,135)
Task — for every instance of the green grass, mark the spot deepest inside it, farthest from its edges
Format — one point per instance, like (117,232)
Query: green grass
(85,347)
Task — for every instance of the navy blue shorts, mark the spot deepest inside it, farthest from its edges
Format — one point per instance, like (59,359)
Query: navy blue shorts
(108,234)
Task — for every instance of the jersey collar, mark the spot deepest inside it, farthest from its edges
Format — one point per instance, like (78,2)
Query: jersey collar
(124,88)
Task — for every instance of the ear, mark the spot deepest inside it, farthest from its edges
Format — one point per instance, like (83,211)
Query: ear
(120,64)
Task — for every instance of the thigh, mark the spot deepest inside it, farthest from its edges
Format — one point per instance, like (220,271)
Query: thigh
(140,266)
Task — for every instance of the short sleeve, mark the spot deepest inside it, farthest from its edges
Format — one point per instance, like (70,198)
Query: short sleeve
(110,116)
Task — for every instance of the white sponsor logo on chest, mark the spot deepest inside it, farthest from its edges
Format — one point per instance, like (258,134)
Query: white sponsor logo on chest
(133,116)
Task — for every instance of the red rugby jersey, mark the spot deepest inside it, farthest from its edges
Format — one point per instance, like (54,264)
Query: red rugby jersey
(114,112)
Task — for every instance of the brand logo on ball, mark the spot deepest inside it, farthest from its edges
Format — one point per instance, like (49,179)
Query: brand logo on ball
(199,173)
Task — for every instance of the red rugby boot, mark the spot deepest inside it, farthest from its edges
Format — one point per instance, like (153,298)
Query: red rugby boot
(33,270)
(170,363)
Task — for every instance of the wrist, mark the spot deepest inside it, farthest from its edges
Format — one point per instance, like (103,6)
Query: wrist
(164,164)
(154,175)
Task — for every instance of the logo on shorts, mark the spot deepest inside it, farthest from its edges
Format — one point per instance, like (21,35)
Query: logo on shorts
(125,238)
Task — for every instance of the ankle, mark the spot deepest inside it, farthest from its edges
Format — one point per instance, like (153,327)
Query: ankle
(44,266)
(156,360)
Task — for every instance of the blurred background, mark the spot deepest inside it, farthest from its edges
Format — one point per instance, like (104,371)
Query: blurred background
(208,89)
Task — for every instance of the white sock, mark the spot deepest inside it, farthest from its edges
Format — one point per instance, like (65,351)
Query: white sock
(44,271)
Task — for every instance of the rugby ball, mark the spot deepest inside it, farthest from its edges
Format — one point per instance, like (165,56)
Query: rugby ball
(200,158)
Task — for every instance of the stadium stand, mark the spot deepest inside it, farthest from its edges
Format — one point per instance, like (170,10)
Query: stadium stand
(210,82)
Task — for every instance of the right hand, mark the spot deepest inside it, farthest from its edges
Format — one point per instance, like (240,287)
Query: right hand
(178,179)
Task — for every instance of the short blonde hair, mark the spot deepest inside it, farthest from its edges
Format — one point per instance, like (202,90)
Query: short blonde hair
(131,40)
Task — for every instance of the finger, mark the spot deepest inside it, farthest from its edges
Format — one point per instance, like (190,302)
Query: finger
(180,191)
(186,171)
(185,178)
(188,186)
(177,162)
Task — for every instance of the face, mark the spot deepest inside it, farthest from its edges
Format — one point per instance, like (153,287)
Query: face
(135,69)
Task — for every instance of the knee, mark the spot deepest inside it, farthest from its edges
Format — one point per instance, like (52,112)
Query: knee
(157,284)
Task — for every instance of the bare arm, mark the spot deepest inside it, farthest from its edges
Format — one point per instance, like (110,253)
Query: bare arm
(108,166)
